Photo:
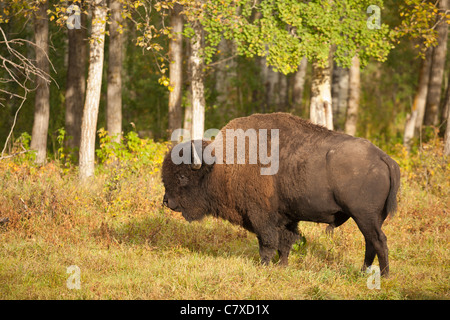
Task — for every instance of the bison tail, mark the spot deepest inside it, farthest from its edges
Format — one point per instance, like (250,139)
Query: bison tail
(390,207)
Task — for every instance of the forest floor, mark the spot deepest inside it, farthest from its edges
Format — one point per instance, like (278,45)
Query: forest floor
(127,246)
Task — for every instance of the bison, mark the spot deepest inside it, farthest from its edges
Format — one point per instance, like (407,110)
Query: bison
(320,175)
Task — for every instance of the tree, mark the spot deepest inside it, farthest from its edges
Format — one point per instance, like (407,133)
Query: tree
(321,111)
(75,83)
(187,121)
(418,22)
(175,68)
(93,89)
(114,90)
(437,69)
(353,97)
(446,114)
(298,86)
(339,94)
(42,98)
(197,85)
(286,31)
(414,120)
(225,76)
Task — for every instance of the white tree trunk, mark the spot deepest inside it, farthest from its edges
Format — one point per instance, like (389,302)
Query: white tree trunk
(93,89)
(175,69)
(321,106)
(114,90)
(42,98)
(197,86)
(353,97)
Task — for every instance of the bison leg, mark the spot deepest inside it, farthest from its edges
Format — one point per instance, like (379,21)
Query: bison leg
(376,244)
(268,244)
(266,251)
(287,236)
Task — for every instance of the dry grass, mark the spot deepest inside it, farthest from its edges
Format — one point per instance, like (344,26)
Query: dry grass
(128,247)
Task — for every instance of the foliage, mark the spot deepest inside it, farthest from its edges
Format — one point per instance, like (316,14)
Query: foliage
(418,21)
(426,167)
(286,31)
(132,152)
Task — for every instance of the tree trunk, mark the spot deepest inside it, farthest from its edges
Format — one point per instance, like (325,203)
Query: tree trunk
(187,121)
(283,102)
(414,121)
(270,79)
(437,71)
(447,133)
(76,83)
(94,83)
(198,97)
(321,106)
(225,76)
(299,86)
(446,103)
(176,69)
(446,115)
(42,98)
(114,90)
(353,97)
(339,94)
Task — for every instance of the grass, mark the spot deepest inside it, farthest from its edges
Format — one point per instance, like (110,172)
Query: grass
(128,246)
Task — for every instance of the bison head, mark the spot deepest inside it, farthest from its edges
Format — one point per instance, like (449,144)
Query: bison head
(184,175)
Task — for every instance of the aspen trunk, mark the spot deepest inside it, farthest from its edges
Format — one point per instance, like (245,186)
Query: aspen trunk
(225,74)
(270,80)
(299,86)
(283,102)
(414,120)
(353,97)
(175,69)
(114,90)
(197,85)
(446,114)
(42,98)
(94,83)
(76,83)
(339,94)
(321,106)
(437,71)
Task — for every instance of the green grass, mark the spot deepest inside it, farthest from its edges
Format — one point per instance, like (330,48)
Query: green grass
(128,246)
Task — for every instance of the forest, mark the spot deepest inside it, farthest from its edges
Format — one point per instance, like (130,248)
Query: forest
(92,90)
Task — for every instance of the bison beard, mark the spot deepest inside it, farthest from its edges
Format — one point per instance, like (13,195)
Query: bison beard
(323,176)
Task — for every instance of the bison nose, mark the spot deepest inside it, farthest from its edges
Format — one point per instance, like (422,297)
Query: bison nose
(166,201)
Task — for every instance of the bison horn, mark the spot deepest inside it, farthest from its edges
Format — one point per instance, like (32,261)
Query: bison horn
(197,162)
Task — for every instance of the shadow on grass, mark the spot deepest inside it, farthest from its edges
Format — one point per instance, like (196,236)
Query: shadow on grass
(165,232)
(210,236)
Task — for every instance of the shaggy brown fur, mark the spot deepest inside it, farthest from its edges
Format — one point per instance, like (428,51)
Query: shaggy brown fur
(323,176)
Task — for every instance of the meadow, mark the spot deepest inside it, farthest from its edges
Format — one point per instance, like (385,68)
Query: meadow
(128,246)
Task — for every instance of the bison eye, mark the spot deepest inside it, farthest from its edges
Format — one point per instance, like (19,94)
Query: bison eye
(183,181)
